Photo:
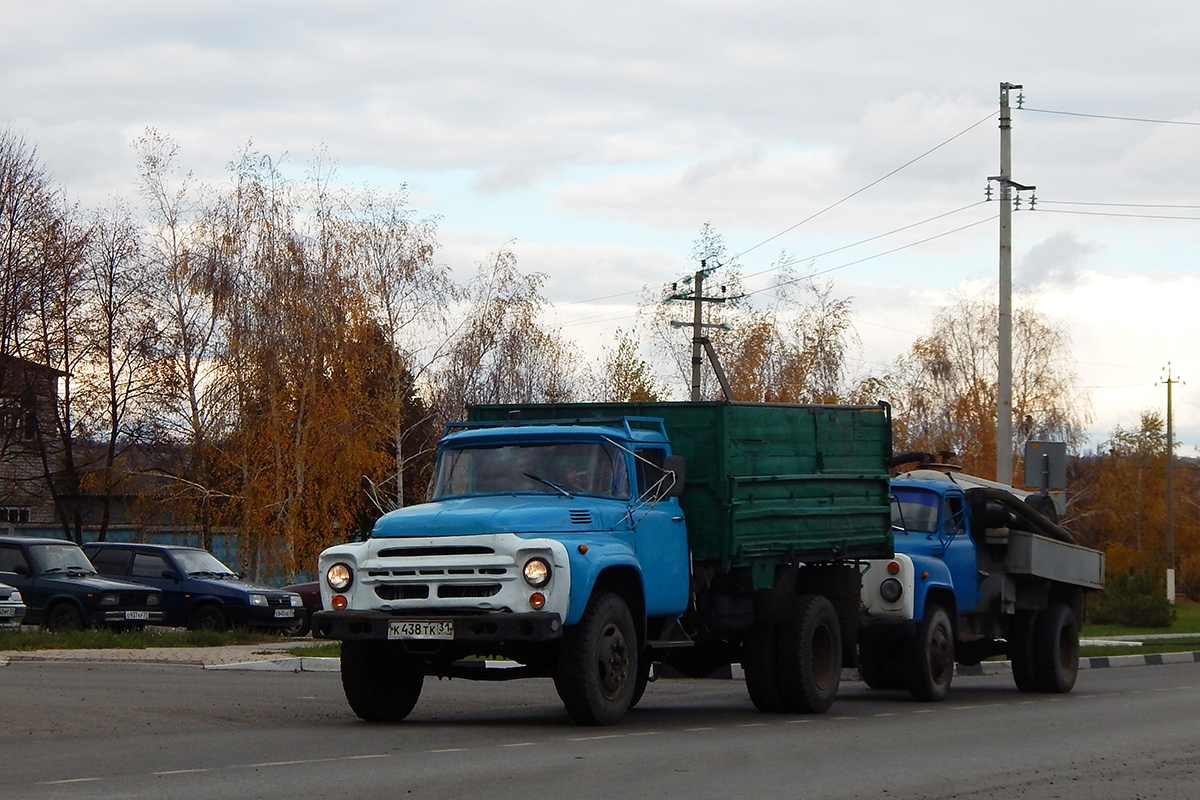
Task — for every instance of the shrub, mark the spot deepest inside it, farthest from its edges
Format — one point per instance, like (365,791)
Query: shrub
(1136,599)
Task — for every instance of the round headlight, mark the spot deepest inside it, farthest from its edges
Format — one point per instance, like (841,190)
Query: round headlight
(339,577)
(536,572)
(890,590)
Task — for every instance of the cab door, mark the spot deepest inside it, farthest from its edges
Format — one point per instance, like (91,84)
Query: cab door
(660,537)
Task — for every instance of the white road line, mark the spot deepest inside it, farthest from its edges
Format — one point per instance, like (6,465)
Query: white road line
(68,780)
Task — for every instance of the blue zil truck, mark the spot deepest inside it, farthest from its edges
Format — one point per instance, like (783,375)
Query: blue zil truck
(587,542)
(980,569)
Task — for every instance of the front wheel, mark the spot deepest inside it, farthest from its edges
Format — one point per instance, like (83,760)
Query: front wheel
(598,666)
(1056,650)
(381,682)
(809,656)
(207,618)
(933,659)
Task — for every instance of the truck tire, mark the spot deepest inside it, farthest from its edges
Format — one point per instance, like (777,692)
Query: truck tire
(758,664)
(808,656)
(879,666)
(382,683)
(643,678)
(1056,650)
(1020,649)
(932,662)
(598,667)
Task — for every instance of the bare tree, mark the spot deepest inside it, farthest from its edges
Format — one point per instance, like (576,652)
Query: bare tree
(944,389)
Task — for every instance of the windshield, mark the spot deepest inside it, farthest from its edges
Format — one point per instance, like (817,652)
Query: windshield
(915,510)
(195,562)
(596,468)
(59,558)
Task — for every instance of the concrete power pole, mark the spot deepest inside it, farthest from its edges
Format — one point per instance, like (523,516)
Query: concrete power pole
(1170,381)
(1004,415)
(700,342)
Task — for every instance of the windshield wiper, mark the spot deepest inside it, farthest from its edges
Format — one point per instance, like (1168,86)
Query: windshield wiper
(548,482)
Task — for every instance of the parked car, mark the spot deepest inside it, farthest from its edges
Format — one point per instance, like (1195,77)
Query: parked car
(62,591)
(12,608)
(199,592)
(310,595)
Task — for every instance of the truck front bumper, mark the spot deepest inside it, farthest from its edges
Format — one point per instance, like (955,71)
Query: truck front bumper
(499,627)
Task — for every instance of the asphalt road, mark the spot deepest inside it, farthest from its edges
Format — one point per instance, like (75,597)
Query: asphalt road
(141,730)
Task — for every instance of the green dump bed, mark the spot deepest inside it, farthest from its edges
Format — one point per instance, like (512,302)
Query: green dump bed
(766,482)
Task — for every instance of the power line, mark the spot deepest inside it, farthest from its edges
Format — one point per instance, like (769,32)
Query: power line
(872,257)
(1116,205)
(868,186)
(1111,116)
(1111,214)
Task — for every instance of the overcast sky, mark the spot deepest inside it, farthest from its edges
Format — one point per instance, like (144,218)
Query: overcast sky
(597,139)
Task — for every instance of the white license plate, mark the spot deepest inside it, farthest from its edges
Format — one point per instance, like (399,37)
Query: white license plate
(285,613)
(137,615)
(420,629)
(8,612)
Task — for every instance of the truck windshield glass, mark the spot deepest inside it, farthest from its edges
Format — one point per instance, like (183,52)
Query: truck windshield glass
(915,510)
(593,468)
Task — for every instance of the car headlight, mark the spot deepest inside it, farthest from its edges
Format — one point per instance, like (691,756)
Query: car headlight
(258,599)
(890,590)
(339,577)
(153,599)
(536,572)
(295,600)
(15,596)
(110,599)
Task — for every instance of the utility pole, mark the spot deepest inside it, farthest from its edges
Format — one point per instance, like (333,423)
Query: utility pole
(700,342)
(1004,449)
(1170,381)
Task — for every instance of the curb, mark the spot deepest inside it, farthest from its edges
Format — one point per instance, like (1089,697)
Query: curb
(734,672)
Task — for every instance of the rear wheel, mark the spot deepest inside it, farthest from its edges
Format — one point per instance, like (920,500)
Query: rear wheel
(63,617)
(1020,649)
(1056,650)
(809,656)
(598,667)
(932,665)
(381,682)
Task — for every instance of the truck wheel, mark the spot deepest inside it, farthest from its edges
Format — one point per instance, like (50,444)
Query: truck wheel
(932,664)
(598,663)
(809,656)
(382,683)
(1020,649)
(1056,650)
(758,664)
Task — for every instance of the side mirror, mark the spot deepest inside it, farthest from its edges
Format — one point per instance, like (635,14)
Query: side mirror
(674,465)
(172,575)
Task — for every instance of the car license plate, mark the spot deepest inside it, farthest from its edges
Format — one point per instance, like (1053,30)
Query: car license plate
(137,615)
(285,613)
(8,612)
(421,629)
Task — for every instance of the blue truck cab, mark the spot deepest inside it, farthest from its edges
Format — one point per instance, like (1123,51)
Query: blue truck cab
(977,572)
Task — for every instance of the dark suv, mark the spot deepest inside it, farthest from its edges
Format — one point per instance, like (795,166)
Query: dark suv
(62,591)
(199,592)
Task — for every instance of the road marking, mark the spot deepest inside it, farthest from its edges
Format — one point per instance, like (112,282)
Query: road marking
(179,771)
(923,711)
(370,755)
(596,738)
(887,714)
(752,725)
(69,780)
(796,721)
(706,728)
(284,763)
(449,750)
(518,744)
(646,733)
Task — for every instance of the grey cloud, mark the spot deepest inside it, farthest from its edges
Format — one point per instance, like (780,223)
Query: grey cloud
(1056,261)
